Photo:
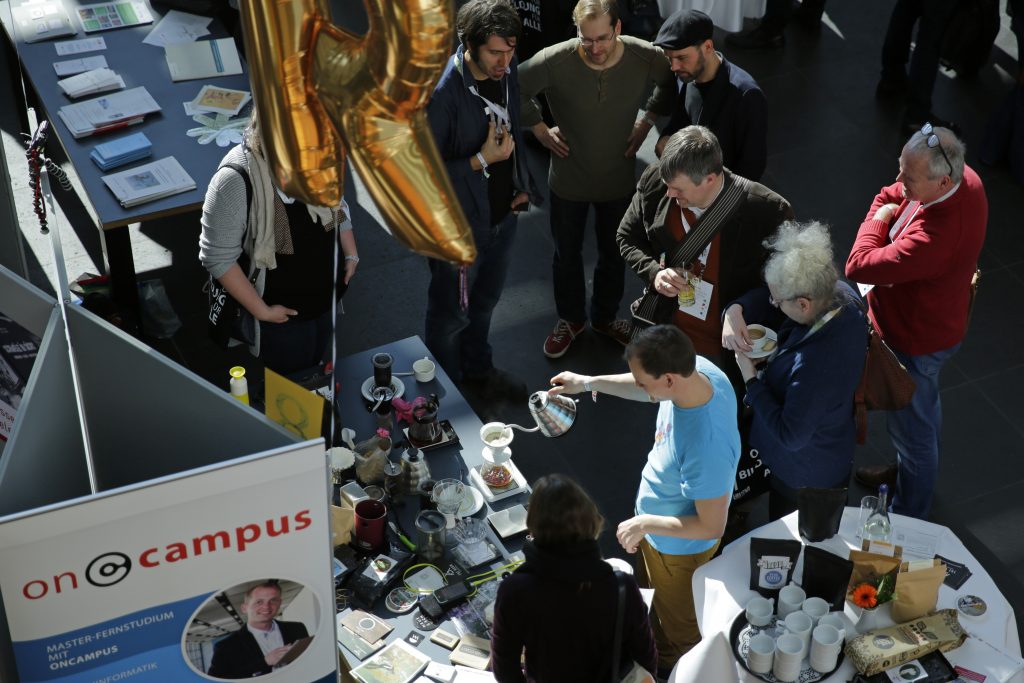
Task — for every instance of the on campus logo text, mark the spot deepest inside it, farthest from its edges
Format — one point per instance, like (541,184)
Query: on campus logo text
(111,568)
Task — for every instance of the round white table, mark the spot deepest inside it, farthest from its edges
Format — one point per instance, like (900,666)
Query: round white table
(727,15)
(721,589)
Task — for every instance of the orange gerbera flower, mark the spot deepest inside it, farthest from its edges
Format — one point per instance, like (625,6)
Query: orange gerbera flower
(865,595)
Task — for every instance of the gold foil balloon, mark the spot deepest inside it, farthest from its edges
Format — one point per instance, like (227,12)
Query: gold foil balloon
(312,79)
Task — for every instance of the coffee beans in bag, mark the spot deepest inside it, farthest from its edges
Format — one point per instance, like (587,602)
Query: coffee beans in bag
(772,561)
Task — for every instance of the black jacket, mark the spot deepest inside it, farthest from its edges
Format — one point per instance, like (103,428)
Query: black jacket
(643,237)
(734,108)
(240,656)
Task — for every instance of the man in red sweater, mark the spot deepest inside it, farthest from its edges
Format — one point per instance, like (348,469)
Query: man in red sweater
(918,247)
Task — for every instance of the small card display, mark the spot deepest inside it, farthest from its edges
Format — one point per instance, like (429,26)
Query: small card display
(220,100)
(397,663)
(472,651)
(110,15)
(444,639)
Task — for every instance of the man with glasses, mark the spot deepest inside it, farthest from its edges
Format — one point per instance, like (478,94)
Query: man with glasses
(595,86)
(918,251)
(694,233)
(474,116)
(714,92)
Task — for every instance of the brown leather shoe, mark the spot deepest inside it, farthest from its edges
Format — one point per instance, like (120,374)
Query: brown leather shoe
(874,476)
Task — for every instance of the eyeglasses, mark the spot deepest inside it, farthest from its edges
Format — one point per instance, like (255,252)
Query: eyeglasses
(778,302)
(590,42)
(933,141)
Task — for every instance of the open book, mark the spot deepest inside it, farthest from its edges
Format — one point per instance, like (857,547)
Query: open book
(149,182)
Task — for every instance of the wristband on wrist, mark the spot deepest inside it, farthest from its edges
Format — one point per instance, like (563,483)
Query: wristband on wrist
(648,119)
(483,164)
(352,257)
(587,387)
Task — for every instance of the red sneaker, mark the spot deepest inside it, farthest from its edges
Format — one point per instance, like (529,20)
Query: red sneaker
(560,339)
(619,330)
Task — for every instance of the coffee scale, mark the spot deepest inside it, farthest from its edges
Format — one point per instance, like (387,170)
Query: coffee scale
(498,477)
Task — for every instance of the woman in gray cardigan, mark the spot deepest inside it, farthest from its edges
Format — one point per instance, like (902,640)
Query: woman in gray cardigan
(288,250)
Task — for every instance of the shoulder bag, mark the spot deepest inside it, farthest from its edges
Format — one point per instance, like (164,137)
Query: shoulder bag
(227,318)
(630,672)
(653,308)
(884,385)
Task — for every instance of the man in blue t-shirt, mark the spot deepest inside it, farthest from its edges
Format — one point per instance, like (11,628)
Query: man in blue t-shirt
(687,484)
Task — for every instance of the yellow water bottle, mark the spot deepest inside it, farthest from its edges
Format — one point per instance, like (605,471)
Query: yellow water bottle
(239,385)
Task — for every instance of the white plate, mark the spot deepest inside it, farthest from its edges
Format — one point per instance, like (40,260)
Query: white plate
(396,384)
(508,522)
(769,333)
(471,504)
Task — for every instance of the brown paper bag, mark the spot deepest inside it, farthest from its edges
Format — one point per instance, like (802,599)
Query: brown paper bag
(343,521)
(874,652)
(917,592)
(870,567)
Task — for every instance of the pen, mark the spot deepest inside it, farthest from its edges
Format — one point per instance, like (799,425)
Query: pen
(402,537)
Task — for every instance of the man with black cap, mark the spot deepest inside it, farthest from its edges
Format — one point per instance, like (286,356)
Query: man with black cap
(714,93)
(595,85)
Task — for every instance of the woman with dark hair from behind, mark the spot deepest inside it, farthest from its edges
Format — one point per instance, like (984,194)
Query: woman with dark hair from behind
(560,605)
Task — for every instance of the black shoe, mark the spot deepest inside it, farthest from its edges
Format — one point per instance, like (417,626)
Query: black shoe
(892,88)
(873,476)
(755,39)
(496,385)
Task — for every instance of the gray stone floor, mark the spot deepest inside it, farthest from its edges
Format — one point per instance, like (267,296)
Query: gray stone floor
(831,147)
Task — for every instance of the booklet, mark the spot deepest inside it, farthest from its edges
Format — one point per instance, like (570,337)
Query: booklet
(91,82)
(42,19)
(149,182)
(108,113)
(203,59)
(121,151)
(109,15)
(399,662)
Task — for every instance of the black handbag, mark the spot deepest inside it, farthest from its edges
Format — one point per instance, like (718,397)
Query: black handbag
(227,319)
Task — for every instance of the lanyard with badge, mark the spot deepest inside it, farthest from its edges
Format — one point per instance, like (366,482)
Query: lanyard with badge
(695,293)
(494,111)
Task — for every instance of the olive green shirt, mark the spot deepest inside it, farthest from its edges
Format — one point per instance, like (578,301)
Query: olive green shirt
(595,111)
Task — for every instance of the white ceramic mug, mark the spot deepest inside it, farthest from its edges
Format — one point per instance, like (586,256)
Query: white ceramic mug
(826,643)
(761,653)
(836,620)
(789,655)
(815,608)
(791,598)
(423,370)
(801,626)
(759,611)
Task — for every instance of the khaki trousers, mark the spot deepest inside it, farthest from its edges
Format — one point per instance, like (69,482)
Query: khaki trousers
(672,612)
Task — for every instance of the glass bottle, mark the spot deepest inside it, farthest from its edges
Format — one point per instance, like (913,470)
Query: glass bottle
(878,527)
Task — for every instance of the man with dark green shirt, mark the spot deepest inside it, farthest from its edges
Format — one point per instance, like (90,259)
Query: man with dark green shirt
(595,85)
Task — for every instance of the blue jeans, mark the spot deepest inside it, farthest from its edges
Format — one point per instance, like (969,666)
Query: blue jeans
(456,337)
(568,227)
(915,432)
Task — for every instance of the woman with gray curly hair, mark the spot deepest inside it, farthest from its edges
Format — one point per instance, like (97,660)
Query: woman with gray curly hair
(802,396)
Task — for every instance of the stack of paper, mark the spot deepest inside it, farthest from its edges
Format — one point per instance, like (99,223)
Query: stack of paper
(70,67)
(202,59)
(108,113)
(42,19)
(121,151)
(149,182)
(91,82)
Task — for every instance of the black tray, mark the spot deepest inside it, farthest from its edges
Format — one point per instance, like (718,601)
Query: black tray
(739,637)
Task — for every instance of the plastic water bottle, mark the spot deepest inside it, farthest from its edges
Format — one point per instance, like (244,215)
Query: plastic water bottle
(239,385)
(878,527)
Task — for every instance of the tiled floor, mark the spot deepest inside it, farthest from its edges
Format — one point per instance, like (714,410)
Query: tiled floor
(831,147)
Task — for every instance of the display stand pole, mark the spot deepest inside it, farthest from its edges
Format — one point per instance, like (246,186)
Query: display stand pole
(39,171)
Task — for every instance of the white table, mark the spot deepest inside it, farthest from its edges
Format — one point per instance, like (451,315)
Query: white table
(727,15)
(721,589)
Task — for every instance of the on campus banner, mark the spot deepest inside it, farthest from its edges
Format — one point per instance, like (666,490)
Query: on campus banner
(113,588)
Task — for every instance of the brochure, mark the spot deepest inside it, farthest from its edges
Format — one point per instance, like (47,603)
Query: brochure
(178,27)
(149,182)
(399,662)
(109,15)
(121,151)
(203,59)
(70,67)
(108,113)
(42,19)
(91,82)
(74,47)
